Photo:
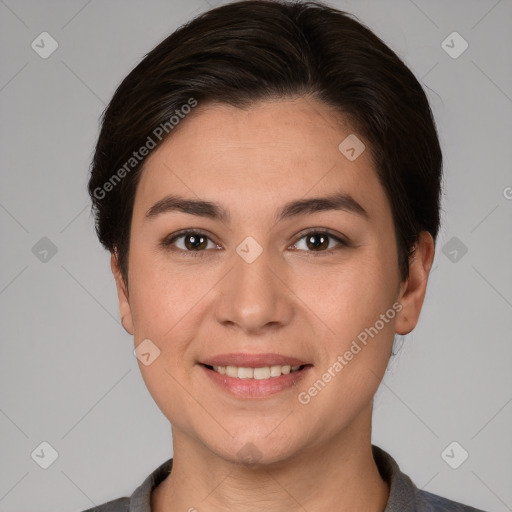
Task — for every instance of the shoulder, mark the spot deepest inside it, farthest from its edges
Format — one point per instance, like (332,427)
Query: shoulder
(117,505)
(140,500)
(405,496)
(427,502)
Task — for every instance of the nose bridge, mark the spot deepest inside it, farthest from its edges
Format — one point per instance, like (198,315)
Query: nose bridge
(254,295)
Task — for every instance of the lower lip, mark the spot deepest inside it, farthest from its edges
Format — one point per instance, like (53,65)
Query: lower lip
(255,388)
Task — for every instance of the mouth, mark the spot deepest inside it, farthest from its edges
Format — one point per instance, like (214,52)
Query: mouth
(257,373)
(254,375)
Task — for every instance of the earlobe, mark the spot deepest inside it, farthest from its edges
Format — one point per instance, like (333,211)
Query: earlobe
(122,295)
(413,291)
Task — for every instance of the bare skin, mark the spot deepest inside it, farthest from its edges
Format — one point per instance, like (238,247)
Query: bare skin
(294,299)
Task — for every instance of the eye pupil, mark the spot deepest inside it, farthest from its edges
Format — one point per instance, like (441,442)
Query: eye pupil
(196,241)
(322,244)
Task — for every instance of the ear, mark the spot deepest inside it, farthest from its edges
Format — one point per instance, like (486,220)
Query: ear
(122,295)
(412,290)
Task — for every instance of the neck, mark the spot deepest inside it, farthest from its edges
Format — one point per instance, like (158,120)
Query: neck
(341,475)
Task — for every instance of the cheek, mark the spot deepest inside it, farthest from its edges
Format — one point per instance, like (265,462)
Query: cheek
(358,292)
(162,306)
(159,295)
(352,302)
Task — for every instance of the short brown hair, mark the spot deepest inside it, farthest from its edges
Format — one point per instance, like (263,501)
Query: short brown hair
(252,50)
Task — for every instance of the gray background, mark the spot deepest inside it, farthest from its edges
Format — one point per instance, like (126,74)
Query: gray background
(68,375)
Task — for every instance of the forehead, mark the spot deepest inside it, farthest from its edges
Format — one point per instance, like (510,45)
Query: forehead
(279,150)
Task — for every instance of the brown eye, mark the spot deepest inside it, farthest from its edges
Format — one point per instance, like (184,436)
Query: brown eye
(192,243)
(319,241)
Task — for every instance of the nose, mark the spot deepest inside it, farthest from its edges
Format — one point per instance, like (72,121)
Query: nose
(255,297)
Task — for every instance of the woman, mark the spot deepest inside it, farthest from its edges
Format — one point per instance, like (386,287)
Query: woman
(268,183)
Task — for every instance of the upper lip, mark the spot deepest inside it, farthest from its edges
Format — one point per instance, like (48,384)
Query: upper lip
(252,360)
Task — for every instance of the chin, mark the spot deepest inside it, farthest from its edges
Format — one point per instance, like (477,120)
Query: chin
(256,450)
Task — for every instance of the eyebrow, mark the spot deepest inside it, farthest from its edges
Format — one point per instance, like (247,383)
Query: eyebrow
(340,201)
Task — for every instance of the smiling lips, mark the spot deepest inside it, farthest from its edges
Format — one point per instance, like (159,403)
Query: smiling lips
(254,375)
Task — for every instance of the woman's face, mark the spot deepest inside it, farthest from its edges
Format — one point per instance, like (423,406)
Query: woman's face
(248,287)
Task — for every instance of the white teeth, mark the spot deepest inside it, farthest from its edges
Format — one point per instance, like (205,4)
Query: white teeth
(261,373)
(231,371)
(245,373)
(275,371)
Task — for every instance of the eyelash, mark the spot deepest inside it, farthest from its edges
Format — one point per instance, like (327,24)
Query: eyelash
(169,241)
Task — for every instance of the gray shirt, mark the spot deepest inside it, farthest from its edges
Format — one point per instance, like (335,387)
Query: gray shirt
(404,496)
